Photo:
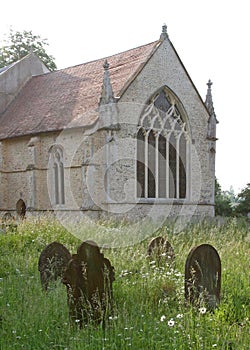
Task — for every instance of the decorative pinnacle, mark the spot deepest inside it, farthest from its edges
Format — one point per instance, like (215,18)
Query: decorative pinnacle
(209,84)
(106,65)
(164,33)
(209,100)
(212,121)
(107,91)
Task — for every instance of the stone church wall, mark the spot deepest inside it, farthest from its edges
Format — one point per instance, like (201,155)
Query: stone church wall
(173,75)
(100,165)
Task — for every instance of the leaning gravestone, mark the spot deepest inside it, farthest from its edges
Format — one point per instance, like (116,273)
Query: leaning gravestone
(203,276)
(52,262)
(88,278)
(160,249)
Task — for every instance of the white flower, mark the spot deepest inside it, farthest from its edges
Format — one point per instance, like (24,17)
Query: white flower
(113,318)
(202,310)
(171,323)
(163,317)
(179,316)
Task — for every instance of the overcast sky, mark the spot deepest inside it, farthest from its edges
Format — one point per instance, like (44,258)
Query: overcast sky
(211,38)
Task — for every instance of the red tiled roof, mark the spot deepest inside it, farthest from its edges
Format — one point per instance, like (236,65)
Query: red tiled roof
(69,97)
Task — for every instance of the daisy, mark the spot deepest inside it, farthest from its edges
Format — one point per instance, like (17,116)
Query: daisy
(171,323)
(202,310)
(163,317)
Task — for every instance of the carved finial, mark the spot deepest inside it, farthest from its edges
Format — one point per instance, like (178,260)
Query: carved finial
(107,95)
(106,65)
(212,121)
(209,100)
(164,33)
(209,84)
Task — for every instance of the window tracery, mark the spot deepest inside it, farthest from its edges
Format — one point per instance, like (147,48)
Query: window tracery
(162,148)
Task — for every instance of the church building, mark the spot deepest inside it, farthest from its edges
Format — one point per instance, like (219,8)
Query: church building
(125,137)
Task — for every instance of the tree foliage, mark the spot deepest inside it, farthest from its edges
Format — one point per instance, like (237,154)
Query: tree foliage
(243,207)
(223,201)
(227,203)
(19,44)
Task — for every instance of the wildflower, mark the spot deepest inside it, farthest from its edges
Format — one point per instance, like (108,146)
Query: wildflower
(77,321)
(202,310)
(179,316)
(214,345)
(113,318)
(163,317)
(171,323)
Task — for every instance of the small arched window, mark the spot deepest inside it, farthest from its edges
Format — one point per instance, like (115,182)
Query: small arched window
(57,167)
(21,208)
(162,148)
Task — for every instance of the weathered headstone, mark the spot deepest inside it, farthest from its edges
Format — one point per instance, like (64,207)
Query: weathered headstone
(89,277)
(52,262)
(203,276)
(160,250)
(8,222)
(75,282)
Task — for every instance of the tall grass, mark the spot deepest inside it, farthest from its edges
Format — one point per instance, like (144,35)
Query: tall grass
(149,312)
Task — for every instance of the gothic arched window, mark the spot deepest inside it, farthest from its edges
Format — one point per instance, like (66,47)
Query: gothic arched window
(162,148)
(57,167)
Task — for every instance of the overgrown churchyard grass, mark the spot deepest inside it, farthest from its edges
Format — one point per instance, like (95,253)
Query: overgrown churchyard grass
(150,311)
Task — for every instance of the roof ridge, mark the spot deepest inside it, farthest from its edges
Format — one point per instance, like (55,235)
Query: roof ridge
(73,90)
(106,57)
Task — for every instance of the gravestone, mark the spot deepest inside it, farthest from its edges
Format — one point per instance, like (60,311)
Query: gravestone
(52,262)
(88,278)
(75,283)
(160,250)
(203,276)
(8,222)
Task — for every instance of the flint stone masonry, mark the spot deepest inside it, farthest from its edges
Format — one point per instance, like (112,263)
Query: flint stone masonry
(98,140)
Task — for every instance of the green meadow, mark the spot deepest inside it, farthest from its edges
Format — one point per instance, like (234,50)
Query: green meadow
(149,307)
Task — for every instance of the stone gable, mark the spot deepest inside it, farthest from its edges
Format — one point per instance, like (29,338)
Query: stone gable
(70,140)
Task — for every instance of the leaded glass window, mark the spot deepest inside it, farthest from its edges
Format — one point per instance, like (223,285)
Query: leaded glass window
(162,148)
